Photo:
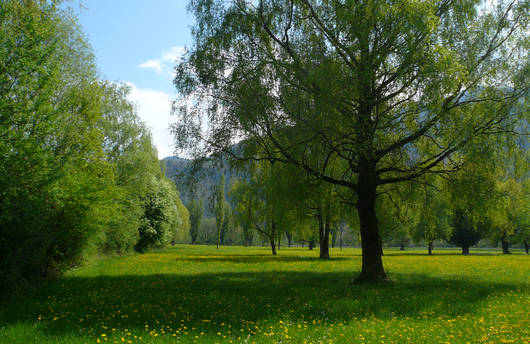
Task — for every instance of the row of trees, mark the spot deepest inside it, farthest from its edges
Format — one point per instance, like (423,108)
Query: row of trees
(78,171)
(278,203)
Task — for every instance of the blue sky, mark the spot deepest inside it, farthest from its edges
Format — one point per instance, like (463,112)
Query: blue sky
(138,42)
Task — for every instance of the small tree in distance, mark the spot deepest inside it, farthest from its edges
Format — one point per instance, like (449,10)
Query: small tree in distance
(196,209)
(465,232)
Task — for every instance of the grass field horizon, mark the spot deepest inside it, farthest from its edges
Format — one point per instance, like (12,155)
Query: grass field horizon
(199,294)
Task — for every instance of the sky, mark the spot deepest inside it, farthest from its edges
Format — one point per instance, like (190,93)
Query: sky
(137,42)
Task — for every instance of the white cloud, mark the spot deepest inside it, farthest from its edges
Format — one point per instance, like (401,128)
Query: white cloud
(154,109)
(152,64)
(165,63)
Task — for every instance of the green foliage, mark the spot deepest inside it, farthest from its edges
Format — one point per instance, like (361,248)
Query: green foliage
(52,175)
(359,94)
(207,232)
(183,225)
(434,215)
(161,217)
(228,224)
(78,172)
(242,195)
(196,209)
(466,231)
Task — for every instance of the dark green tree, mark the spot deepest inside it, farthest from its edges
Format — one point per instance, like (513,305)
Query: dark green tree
(465,232)
(196,209)
(225,235)
(245,208)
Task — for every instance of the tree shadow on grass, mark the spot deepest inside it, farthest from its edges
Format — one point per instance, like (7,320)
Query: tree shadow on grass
(204,301)
(443,254)
(252,259)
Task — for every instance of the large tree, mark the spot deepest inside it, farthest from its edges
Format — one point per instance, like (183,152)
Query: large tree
(384,91)
(196,209)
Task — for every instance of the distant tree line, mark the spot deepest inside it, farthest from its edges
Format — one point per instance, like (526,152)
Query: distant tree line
(485,200)
(79,175)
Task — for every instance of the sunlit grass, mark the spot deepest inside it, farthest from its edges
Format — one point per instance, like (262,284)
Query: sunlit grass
(198,294)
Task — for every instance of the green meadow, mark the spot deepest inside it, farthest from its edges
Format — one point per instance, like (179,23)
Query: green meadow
(198,294)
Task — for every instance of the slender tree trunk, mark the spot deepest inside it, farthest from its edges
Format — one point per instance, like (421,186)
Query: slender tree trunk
(465,250)
(289,238)
(272,238)
(430,244)
(505,245)
(333,234)
(323,236)
(372,265)
(402,246)
(218,237)
(526,246)
(279,241)
(303,243)
(340,240)
(311,244)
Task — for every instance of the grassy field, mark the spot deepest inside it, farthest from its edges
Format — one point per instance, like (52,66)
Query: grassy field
(198,294)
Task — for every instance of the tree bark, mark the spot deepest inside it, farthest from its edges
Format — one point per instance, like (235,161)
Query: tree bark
(218,237)
(272,238)
(333,234)
(505,245)
(402,247)
(311,244)
(430,244)
(372,265)
(289,238)
(323,236)
(465,250)
(526,246)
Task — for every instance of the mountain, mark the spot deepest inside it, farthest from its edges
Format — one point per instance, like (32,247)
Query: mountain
(193,182)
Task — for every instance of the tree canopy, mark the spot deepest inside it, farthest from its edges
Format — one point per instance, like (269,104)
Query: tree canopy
(359,94)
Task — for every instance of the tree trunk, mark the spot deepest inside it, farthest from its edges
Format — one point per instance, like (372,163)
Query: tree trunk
(526,246)
(430,247)
(247,237)
(372,265)
(311,244)
(340,240)
(289,238)
(402,246)
(505,245)
(272,238)
(323,237)
(333,238)
(218,237)
(465,250)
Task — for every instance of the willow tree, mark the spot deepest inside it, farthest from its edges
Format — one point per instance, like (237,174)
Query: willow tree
(386,91)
